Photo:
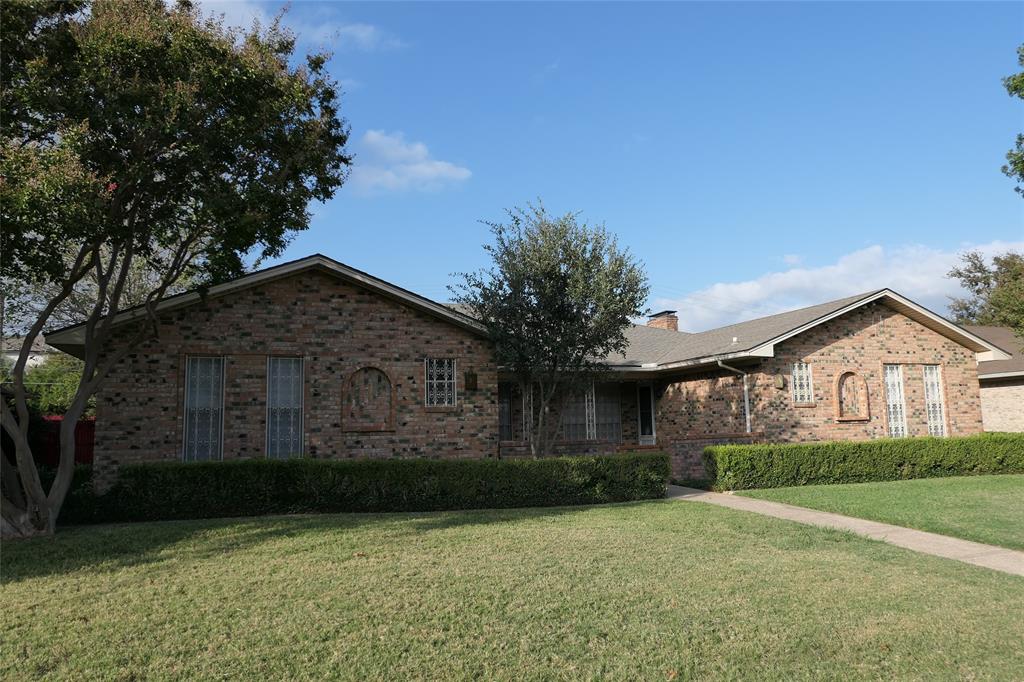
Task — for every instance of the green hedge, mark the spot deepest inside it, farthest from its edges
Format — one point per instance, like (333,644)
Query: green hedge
(739,467)
(159,491)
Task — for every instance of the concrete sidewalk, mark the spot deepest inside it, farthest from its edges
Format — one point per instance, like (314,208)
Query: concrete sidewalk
(989,556)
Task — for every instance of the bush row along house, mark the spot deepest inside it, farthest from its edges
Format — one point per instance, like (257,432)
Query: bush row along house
(314,358)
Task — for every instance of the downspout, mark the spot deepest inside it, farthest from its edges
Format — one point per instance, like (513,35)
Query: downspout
(746,391)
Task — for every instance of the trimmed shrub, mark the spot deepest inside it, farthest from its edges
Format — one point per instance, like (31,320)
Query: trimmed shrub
(161,491)
(739,467)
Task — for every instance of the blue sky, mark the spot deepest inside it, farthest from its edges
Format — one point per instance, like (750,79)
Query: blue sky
(756,157)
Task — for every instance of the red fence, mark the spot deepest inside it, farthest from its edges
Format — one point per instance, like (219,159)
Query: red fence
(47,441)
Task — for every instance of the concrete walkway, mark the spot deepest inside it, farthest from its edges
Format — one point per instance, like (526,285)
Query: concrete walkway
(989,556)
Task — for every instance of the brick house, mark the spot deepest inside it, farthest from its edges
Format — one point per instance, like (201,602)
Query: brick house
(1002,381)
(314,358)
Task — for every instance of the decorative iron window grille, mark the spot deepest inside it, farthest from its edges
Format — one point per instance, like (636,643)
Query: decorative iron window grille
(284,407)
(440,385)
(933,400)
(204,409)
(894,403)
(803,383)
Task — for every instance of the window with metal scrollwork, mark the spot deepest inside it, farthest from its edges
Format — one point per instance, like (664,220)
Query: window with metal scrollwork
(933,401)
(204,409)
(284,407)
(368,401)
(803,383)
(440,382)
(895,406)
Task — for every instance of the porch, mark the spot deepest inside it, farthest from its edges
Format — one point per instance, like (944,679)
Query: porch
(607,417)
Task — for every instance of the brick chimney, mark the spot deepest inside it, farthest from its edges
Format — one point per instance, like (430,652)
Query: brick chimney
(666,319)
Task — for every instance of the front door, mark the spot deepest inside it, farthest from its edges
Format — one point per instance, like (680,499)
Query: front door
(645,413)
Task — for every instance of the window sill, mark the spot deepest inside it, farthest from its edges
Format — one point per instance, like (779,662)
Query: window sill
(440,408)
(853,419)
(805,404)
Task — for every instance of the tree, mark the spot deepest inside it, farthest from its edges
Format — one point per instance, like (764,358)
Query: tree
(556,301)
(996,291)
(23,301)
(1014,167)
(52,385)
(140,135)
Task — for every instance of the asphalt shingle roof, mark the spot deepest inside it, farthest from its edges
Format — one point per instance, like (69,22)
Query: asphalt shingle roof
(1004,338)
(648,345)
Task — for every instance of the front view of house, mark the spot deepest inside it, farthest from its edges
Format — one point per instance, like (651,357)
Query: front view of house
(314,358)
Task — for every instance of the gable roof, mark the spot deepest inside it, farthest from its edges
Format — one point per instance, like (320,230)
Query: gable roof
(1005,338)
(660,349)
(650,348)
(71,339)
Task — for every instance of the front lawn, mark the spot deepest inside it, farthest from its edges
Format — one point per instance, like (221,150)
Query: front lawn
(987,509)
(654,590)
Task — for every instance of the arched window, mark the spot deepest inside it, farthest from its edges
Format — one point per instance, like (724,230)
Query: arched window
(851,397)
(369,405)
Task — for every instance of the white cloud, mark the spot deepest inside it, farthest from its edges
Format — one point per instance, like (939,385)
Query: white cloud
(916,271)
(327,32)
(792,259)
(386,162)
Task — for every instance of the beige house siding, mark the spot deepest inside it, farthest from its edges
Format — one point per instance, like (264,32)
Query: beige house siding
(1002,404)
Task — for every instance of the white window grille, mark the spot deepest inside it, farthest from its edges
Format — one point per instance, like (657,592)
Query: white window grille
(803,383)
(933,401)
(204,408)
(284,408)
(894,404)
(440,385)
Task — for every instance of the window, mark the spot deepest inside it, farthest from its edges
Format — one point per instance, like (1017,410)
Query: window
(204,409)
(803,383)
(645,414)
(608,418)
(574,416)
(593,414)
(440,384)
(284,407)
(894,405)
(933,401)
(368,404)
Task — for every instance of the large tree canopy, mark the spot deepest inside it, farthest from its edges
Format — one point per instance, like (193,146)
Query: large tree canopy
(141,136)
(996,291)
(556,301)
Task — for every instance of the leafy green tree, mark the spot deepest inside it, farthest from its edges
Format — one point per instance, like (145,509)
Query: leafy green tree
(556,301)
(53,383)
(1014,167)
(996,291)
(141,135)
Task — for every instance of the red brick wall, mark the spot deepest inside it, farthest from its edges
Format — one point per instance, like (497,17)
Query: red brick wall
(710,405)
(337,328)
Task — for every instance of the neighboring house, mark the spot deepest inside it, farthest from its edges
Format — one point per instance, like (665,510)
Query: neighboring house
(1002,381)
(11,348)
(314,358)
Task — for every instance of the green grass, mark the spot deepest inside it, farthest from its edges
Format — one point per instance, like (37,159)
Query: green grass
(987,509)
(654,590)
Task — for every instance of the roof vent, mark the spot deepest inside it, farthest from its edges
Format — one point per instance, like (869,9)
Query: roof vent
(666,319)
(735,340)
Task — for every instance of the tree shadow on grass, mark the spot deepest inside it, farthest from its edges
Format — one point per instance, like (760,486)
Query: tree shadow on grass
(112,547)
